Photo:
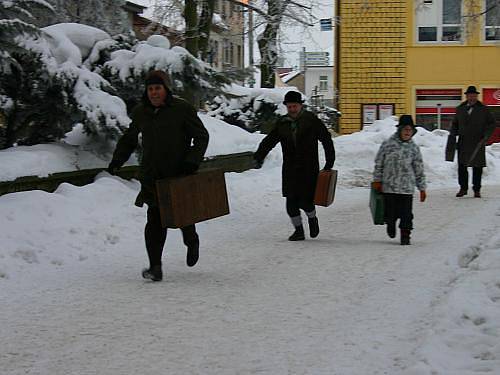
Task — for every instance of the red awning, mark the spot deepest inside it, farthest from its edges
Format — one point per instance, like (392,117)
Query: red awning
(434,110)
(439,92)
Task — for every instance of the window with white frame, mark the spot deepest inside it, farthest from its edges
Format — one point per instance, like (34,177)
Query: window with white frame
(439,20)
(492,20)
(323,83)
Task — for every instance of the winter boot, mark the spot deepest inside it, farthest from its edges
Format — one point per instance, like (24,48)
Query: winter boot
(461,193)
(313,227)
(391,229)
(405,236)
(477,194)
(298,235)
(153,273)
(193,253)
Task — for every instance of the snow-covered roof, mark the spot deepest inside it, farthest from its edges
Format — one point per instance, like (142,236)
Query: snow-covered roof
(289,76)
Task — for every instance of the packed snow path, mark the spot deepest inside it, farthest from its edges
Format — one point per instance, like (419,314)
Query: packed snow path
(352,301)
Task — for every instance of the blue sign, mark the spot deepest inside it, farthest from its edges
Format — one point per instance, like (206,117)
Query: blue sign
(325,24)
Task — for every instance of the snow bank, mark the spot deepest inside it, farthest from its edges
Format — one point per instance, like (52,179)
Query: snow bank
(356,154)
(78,151)
(466,336)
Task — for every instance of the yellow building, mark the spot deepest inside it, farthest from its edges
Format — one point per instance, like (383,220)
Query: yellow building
(416,57)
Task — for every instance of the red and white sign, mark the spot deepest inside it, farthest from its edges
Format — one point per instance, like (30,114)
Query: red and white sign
(491,97)
(434,110)
(440,92)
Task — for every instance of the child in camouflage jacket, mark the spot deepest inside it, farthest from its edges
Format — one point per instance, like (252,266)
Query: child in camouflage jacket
(398,169)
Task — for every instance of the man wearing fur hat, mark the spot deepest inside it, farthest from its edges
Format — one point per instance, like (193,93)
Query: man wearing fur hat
(298,132)
(398,169)
(174,142)
(473,124)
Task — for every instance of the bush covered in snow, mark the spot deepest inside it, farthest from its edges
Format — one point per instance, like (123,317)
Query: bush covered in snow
(249,108)
(63,74)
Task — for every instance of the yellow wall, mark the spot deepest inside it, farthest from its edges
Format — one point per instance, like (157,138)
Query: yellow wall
(380,62)
(472,62)
(372,59)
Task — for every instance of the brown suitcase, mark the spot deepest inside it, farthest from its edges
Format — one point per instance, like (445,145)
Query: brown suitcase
(190,199)
(325,188)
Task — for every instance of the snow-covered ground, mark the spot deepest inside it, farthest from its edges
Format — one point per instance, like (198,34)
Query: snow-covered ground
(350,302)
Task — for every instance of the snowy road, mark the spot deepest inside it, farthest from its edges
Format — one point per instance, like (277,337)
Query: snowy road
(350,302)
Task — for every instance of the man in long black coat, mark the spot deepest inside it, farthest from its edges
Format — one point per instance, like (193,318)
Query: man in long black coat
(174,142)
(299,132)
(473,124)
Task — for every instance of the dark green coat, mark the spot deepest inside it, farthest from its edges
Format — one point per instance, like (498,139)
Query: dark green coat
(300,152)
(171,135)
(473,131)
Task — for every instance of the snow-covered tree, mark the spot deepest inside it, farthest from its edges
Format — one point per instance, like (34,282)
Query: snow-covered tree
(107,15)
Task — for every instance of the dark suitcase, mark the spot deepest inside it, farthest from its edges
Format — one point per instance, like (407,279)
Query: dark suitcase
(377,207)
(190,199)
(325,188)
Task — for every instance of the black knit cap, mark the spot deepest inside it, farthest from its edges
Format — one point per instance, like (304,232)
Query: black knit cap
(154,80)
(293,97)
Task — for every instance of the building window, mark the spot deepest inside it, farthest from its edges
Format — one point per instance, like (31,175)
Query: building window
(323,83)
(240,57)
(436,107)
(226,51)
(213,57)
(439,21)
(492,20)
(231,54)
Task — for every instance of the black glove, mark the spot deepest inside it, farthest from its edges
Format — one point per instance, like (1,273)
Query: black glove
(257,164)
(328,167)
(113,167)
(189,168)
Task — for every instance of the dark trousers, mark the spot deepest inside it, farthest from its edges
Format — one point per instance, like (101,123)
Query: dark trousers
(463,177)
(294,204)
(155,236)
(399,206)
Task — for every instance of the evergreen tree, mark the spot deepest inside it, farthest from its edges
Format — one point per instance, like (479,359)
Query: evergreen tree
(35,103)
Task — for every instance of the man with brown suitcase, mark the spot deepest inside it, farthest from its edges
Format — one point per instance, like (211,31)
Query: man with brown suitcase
(299,132)
(174,142)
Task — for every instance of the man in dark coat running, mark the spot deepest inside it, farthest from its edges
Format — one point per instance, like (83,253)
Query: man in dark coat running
(473,124)
(174,142)
(299,132)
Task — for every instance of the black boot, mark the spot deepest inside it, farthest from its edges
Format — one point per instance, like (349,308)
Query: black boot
(461,193)
(313,227)
(193,253)
(298,235)
(391,229)
(153,273)
(405,236)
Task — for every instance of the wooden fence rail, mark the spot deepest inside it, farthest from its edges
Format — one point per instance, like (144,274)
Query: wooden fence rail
(238,162)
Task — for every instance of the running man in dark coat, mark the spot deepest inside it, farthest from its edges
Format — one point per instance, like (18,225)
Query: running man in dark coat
(174,142)
(299,132)
(473,124)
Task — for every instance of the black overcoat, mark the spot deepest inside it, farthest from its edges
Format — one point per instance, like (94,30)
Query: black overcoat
(473,130)
(300,153)
(171,135)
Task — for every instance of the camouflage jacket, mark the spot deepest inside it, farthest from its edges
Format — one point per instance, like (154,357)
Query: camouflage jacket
(399,166)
